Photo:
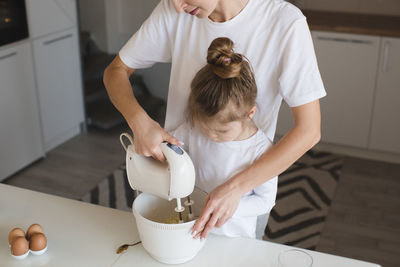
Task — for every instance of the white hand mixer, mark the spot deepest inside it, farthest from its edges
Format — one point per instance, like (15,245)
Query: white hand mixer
(174,178)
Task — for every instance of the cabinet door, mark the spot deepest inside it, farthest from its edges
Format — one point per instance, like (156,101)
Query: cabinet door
(348,65)
(20,134)
(59,82)
(385,131)
(50,16)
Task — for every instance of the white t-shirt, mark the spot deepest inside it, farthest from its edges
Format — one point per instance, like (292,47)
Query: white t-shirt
(216,162)
(272,34)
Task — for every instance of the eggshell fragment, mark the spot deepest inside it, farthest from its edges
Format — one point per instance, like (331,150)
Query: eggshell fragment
(15,233)
(34,228)
(37,242)
(19,246)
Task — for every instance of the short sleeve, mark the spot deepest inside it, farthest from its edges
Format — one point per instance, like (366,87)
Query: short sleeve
(300,80)
(151,43)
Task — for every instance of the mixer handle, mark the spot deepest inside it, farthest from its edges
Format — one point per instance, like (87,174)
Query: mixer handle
(122,140)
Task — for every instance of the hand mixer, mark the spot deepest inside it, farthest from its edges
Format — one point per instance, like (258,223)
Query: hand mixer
(174,178)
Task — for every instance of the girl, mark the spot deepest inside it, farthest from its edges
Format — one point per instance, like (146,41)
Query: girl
(221,137)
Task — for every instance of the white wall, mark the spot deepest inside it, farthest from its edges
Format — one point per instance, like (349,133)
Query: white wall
(123,19)
(112,22)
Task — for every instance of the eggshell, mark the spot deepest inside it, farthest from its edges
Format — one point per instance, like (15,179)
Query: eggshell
(34,228)
(19,246)
(15,233)
(37,242)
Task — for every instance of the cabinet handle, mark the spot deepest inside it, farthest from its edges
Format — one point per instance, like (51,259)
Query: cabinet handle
(57,39)
(343,40)
(385,56)
(8,55)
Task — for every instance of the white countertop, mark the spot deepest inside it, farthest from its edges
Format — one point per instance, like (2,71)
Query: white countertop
(221,251)
(82,234)
(78,233)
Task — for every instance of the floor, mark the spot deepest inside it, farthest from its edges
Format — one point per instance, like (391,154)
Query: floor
(363,222)
(364,219)
(75,167)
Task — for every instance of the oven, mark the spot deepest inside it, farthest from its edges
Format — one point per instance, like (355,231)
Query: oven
(13,21)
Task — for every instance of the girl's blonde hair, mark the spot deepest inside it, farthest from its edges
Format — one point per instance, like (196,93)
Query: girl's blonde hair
(226,79)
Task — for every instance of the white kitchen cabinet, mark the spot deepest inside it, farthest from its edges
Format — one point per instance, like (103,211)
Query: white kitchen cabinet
(348,65)
(58,75)
(50,16)
(20,132)
(385,130)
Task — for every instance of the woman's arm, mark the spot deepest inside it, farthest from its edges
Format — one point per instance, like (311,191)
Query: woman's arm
(222,202)
(148,134)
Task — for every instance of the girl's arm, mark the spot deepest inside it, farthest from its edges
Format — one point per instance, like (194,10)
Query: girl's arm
(148,134)
(222,202)
(261,201)
(253,205)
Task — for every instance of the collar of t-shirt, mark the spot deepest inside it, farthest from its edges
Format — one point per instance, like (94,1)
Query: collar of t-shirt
(237,19)
(252,140)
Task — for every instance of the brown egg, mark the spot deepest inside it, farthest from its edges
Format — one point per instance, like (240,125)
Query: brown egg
(19,246)
(15,233)
(38,242)
(34,228)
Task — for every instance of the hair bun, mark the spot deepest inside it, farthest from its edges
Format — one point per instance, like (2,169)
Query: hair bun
(223,60)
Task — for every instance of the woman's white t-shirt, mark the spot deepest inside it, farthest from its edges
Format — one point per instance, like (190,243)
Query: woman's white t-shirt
(272,34)
(217,162)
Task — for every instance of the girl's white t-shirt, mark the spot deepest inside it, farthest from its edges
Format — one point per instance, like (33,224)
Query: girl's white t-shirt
(217,162)
(272,34)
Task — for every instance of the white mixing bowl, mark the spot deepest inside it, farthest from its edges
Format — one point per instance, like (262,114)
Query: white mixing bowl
(167,243)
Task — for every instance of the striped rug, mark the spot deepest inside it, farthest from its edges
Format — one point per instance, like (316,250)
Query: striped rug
(114,192)
(305,192)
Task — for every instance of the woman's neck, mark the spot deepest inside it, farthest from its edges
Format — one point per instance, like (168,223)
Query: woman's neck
(227,9)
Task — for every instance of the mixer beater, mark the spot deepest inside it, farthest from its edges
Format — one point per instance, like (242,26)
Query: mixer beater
(189,204)
(180,209)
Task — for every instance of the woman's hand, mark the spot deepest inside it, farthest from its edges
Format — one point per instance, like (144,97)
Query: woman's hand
(147,137)
(219,206)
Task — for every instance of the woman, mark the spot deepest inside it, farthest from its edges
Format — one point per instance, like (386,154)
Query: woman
(273,35)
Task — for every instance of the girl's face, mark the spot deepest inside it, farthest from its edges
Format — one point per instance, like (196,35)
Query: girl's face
(228,131)
(222,132)
(198,8)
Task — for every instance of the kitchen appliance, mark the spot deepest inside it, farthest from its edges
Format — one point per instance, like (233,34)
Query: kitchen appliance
(13,21)
(167,243)
(161,182)
(174,178)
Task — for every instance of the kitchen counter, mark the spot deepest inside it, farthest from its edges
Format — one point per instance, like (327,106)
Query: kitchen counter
(354,23)
(78,233)
(82,234)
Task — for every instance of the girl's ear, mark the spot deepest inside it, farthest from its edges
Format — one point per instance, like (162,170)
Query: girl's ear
(252,111)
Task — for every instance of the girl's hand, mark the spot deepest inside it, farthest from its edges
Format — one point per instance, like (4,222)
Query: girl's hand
(147,137)
(219,206)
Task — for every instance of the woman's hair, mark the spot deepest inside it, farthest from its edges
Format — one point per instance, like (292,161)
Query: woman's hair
(226,79)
